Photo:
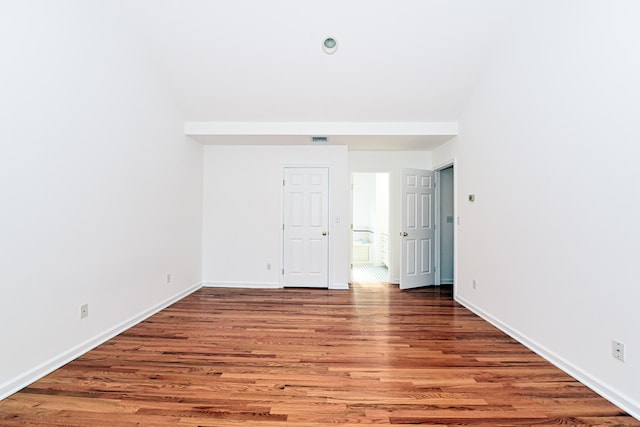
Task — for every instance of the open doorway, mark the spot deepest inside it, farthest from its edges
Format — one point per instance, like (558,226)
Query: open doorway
(370,252)
(446,229)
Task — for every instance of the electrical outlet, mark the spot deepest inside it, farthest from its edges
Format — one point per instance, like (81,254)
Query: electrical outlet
(84,310)
(617,350)
(474,284)
(268,266)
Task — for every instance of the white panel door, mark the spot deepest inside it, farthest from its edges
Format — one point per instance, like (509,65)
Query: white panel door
(305,227)
(418,229)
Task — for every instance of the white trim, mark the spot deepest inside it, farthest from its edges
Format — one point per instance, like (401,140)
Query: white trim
(339,287)
(621,400)
(456,224)
(322,128)
(437,280)
(23,380)
(445,165)
(246,285)
(350,278)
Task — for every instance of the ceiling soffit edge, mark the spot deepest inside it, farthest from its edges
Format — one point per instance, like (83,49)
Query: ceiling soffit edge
(322,128)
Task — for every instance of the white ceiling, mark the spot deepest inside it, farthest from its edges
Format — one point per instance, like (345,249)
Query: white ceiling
(262,61)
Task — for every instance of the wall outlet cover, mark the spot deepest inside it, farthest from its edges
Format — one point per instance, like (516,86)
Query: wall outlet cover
(84,311)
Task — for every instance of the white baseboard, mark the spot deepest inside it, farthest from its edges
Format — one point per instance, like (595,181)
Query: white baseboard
(621,400)
(23,380)
(263,285)
(248,285)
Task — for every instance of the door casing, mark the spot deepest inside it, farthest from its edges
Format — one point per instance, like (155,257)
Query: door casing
(456,220)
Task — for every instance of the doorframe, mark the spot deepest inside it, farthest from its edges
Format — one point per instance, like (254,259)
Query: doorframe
(329,217)
(391,218)
(437,170)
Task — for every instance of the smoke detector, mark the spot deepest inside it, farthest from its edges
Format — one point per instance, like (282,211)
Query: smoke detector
(329,45)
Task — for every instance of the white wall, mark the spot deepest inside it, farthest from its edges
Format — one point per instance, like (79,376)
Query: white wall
(243,212)
(100,192)
(549,146)
(392,162)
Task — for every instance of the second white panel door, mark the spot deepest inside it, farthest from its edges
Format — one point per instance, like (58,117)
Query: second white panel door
(418,229)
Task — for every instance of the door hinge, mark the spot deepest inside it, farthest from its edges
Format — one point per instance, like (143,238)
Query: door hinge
(351,266)
(283,182)
(283,226)
(352,226)
(283,271)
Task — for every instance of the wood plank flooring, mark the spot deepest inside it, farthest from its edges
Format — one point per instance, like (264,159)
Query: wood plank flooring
(308,357)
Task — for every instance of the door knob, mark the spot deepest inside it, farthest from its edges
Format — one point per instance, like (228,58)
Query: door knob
(324,233)
(404,234)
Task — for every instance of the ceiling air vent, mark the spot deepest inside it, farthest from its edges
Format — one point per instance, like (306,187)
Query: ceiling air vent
(318,139)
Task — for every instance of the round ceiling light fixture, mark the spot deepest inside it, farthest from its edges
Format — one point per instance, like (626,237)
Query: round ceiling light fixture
(329,45)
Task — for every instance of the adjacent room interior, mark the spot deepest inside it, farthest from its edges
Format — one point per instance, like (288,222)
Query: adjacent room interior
(370,219)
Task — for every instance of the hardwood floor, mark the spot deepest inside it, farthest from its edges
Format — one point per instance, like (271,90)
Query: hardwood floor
(308,357)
